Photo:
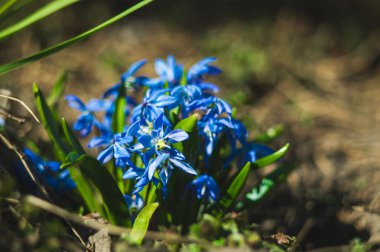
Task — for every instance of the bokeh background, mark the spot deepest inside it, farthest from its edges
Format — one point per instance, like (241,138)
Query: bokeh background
(311,66)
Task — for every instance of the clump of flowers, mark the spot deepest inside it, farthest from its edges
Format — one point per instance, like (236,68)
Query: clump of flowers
(181,146)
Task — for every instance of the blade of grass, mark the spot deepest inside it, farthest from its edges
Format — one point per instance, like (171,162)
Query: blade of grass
(6,6)
(71,139)
(44,53)
(41,13)
(112,197)
(236,186)
(271,158)
(50,124)
(57,91)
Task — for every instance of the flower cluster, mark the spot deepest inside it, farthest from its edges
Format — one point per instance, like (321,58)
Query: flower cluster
(150,148)
(49,172)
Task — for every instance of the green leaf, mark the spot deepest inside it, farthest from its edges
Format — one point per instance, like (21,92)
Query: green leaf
(236,186)
(118,120)
(92,169)
(55,95)
(141,223)
(41,13)
(263,187)
(50,124)
(188,124)
(71,138)
(86,190)
(56,48)
(271,158)
(6,6)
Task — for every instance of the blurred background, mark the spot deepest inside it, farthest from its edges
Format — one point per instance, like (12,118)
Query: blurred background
(311,66)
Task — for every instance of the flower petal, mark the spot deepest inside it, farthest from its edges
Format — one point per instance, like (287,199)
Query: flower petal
(105,155)
(176,136)
(75,102)
(156,163)
(183,166)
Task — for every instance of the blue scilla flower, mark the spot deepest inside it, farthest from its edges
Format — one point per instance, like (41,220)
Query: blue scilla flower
(209,128)
(152,105)
(219,106)
(136,173)
(135,203)
(161,154)
(86,119)
(185,96)
(118,147)
(128,79)
(169,72)
(237,133)
(197,71)
(49,172)
(206,188)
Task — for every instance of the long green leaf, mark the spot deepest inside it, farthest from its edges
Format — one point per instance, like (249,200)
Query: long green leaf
(86,190)
(105,183)
(50,124)
(269,182)
(118,120)
(18,63)
(6,5)
(236,186)
(271,158)
(41,13)
(188,124)
(141,223)
(71,138)
(56,93)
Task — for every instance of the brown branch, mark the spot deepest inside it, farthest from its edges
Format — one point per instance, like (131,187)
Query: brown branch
(22,103)
(112,229)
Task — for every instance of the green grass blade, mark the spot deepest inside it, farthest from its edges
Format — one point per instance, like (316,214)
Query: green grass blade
(41,13)
(92,169)
(236,186)
(118,120)
(188,124)
(141,223)
(265,185)
(56,93)
(71,138)
(6,6)
(44,53)
(50,124)
(271,158)
(86,190)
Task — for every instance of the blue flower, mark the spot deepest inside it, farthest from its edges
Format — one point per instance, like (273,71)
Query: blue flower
(50,172)
(209,128)
(158,144)
(206,188)
(185,96)
(197,72)
(152,105)
(86,119)
(212,102)
(118,147)
(135,203)
(128,79)
(169,72)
